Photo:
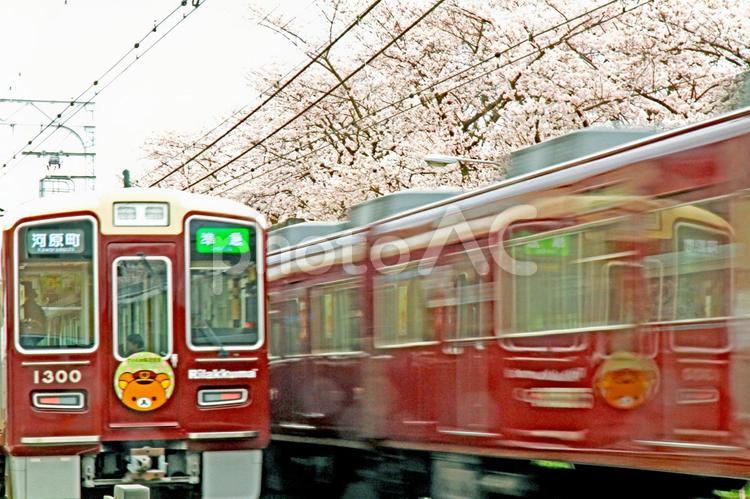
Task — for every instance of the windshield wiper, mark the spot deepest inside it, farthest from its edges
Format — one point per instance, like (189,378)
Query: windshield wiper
(214,338)
(144,262)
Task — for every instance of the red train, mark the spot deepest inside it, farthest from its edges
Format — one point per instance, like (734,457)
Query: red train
(133,346)
(578,328)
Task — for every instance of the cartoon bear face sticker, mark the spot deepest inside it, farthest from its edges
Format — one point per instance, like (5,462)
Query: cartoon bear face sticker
(144,390)
(626,380)
(626,388)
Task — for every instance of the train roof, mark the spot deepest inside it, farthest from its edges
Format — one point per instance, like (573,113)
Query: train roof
(648,147)
(101,202)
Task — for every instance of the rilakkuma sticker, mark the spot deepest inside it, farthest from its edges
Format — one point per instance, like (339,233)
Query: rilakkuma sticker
(626,381)
(144,381)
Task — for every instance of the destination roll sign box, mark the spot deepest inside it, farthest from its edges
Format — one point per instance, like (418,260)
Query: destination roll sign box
(223,240)
(55,242)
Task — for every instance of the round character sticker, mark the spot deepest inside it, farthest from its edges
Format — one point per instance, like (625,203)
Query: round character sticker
(144,381)
(626,381)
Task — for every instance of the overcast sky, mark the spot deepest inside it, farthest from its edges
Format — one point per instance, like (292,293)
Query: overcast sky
(54,49)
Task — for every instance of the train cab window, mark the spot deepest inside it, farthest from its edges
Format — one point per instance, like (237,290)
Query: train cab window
(224,298)
(55,295)
(144,307)
(401,308)
(703,272)
(688,261)
(335,318)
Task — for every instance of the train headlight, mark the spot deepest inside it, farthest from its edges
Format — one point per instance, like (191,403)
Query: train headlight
(141,214)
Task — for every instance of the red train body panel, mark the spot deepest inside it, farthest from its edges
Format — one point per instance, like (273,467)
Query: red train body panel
(106,377)
(593,312)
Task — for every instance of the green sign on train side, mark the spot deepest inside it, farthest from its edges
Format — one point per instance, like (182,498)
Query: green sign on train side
(222,240)
(551,246)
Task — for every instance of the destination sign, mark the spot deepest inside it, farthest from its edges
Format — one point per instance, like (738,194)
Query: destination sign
(552,246)
(222,240)
(54,241)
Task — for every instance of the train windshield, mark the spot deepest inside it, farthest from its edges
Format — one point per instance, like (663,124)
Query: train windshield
(55,296)
(223,284)
(703,269)
(144,308)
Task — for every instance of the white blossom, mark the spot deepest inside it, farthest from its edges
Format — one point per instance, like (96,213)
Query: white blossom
(659,64)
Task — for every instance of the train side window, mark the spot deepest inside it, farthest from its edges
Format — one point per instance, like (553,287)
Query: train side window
(294,333)
(466,301)
(275,332)
(335,319)
(286,332)
(547,299)
(401,308)
(55,296)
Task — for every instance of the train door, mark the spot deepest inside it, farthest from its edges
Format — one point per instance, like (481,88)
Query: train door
(141,295)
(335,334)
(290,370)
(545,372)
(406,350)
(468,408)
(691,255)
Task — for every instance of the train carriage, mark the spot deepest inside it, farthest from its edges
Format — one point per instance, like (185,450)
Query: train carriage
(133,346)
(588,315)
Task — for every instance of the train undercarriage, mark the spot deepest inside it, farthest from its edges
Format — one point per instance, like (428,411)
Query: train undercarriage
(301,467)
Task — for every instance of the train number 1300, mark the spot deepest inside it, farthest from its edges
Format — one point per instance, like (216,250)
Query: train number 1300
(48,376)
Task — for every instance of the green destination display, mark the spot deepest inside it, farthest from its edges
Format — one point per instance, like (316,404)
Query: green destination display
(222,240)
(552,246)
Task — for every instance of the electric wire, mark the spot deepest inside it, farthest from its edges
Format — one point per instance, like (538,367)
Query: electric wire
(432,85)
(319,99)
(126,68)
(449,77)
(312,61)
(77,100)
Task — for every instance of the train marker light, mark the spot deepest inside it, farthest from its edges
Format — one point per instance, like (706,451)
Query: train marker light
(71,401)
(222,397)
(141,214)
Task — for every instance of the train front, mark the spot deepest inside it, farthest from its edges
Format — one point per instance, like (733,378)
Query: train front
(134,348)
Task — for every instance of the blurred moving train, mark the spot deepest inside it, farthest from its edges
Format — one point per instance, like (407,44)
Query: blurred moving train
(577,330)
(133,346)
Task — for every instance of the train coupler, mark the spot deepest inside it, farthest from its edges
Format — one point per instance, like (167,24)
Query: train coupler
(146,464)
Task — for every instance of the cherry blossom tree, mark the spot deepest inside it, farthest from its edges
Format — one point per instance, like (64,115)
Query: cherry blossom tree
(475,78)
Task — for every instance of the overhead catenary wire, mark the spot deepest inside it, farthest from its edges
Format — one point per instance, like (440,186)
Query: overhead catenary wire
(77,101)
(324,135)
(320,98)
(432,85)
(124,69)
(281,88)
(242,109)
